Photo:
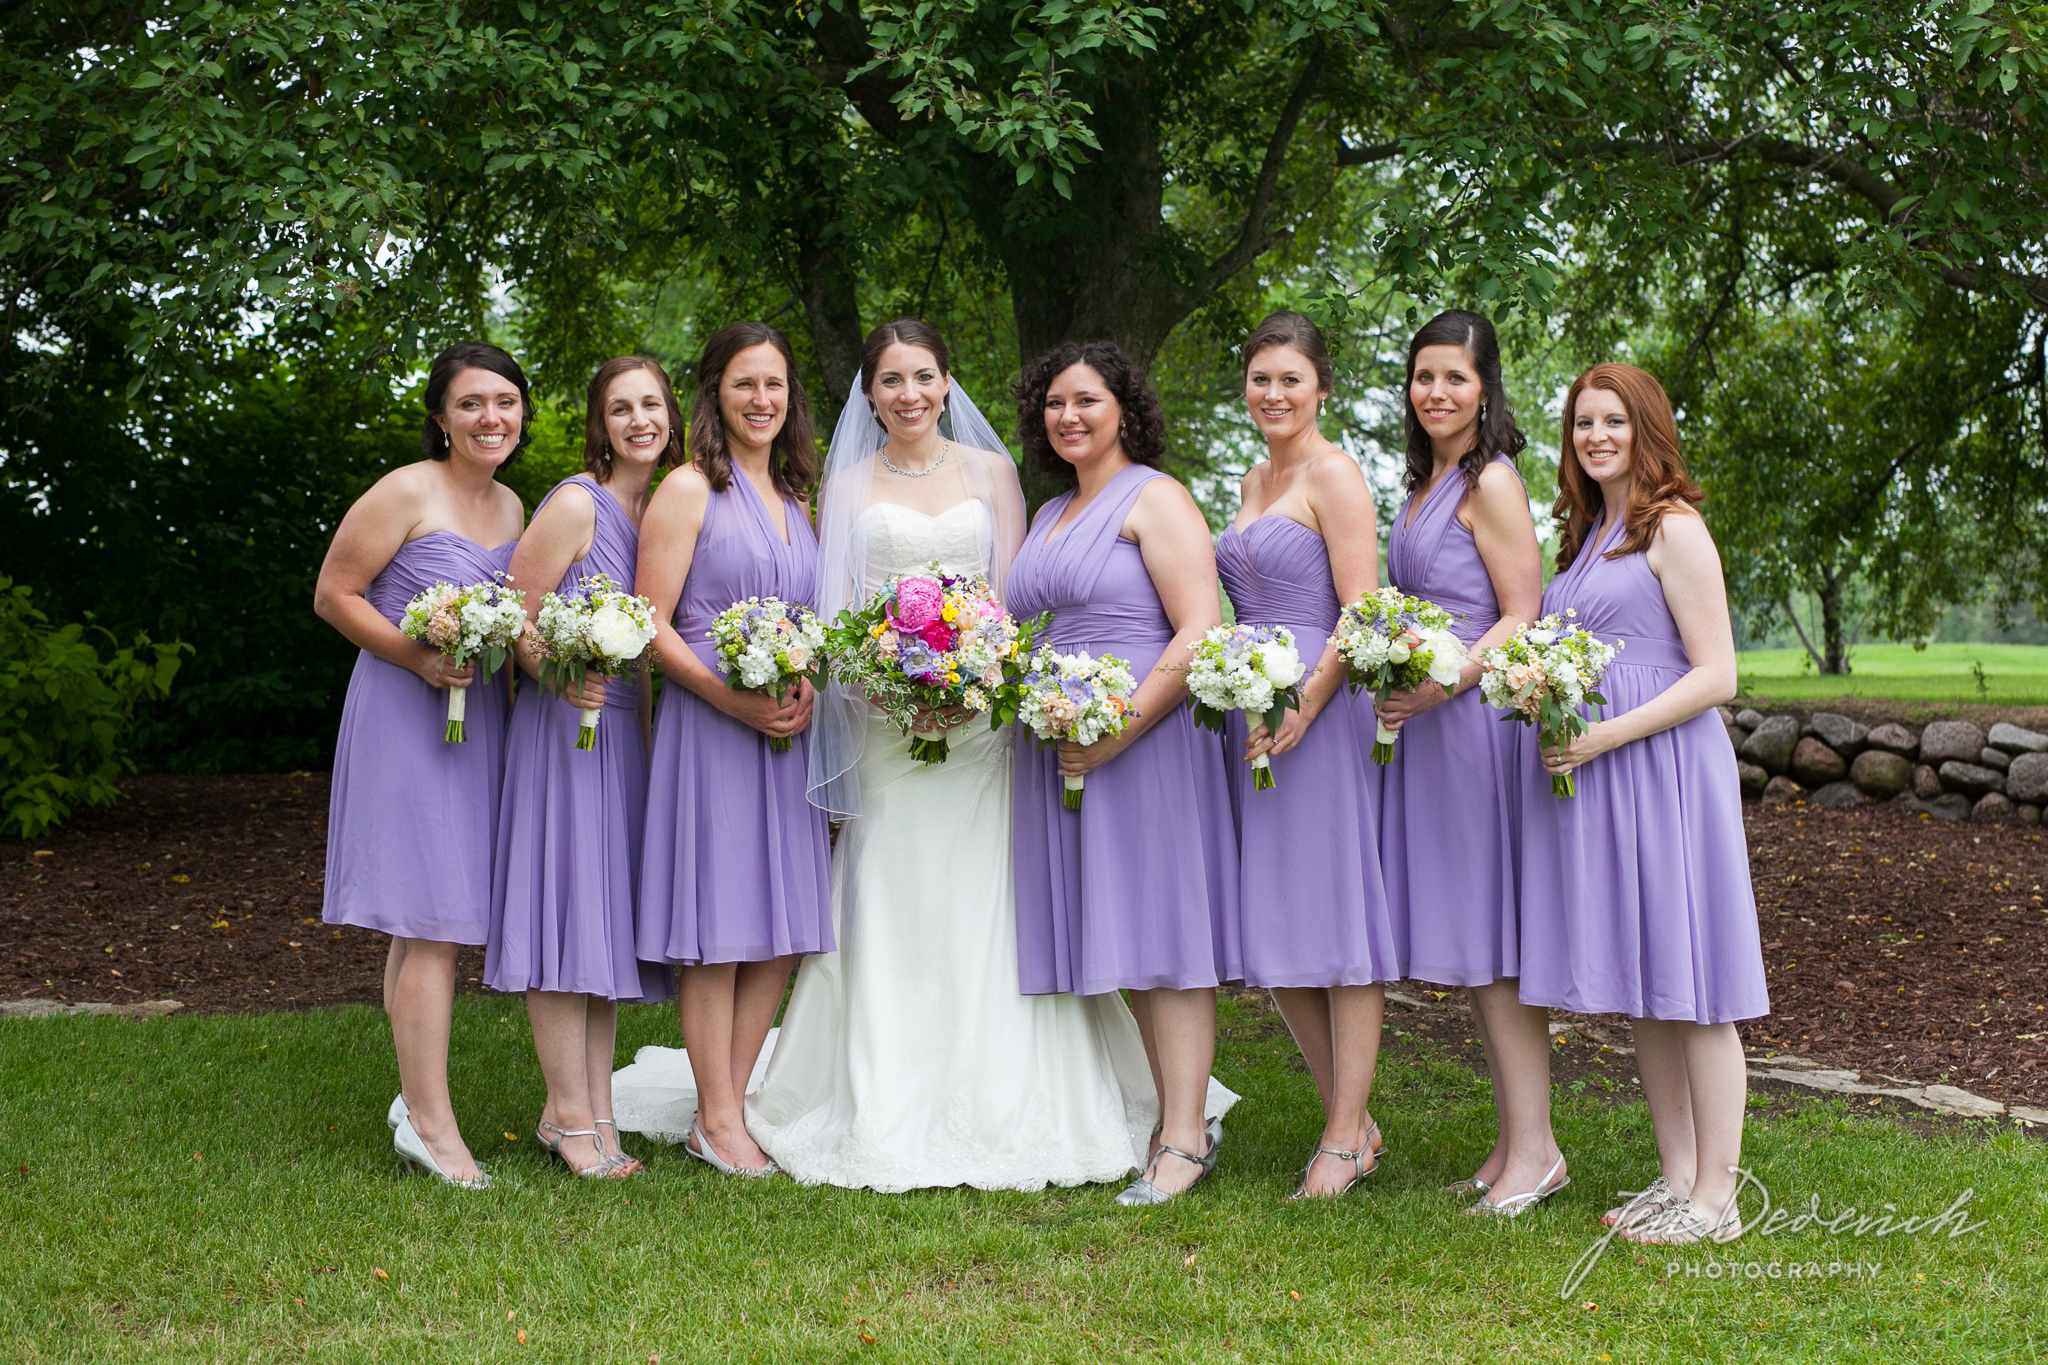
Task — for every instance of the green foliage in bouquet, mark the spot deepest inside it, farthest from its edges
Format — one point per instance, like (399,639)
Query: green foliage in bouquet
(65,711)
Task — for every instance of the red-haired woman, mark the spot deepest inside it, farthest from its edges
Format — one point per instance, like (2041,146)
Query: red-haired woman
(1635,893)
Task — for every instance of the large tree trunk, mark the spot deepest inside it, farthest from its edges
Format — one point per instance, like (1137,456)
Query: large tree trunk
(832,310)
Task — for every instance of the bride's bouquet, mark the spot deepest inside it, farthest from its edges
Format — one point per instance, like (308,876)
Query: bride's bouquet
(1075,697)
(598,628)
(931,640)
(767,645)
(1393,641)
(1541,675)
(1253,669)
(482,621)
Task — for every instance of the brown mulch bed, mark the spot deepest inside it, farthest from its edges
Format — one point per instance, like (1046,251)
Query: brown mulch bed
(204,890)
(1896,944)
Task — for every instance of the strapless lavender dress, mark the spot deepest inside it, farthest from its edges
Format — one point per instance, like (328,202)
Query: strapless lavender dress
(1315,913)
(738,865)
(412,819)
(569,828)
(1138,889)
(1448,821)
(1636,896)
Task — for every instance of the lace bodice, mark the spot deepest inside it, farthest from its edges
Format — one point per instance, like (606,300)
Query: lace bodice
(901,540)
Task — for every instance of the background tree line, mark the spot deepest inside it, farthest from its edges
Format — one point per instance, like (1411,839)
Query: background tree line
(232,232)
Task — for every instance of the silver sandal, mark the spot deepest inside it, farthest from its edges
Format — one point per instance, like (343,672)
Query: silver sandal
(1515,1205)
(602,1170)
(1142,1192)
(1358,1166)
(697,1145)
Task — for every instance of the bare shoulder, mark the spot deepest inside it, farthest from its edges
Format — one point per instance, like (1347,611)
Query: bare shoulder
(1684,529)
(571,498)
(1334,472)
(1499,480)
(682,487)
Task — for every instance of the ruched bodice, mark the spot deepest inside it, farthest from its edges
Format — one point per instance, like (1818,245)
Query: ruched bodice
(1093,581)
(1277,573)
(904,540)
(436,557)
(1620,601)
(739,554)
(1437,559)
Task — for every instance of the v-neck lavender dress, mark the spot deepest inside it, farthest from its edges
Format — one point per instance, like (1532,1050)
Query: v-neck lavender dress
(1448,821)
(738,865)
(412,819)
(1636,896)
(1138,889)
(1315,912)
(569,829)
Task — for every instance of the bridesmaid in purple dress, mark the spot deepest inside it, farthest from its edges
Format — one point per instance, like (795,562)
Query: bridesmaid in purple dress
(413,819)
(1636,896)
(1465,541)
(1137,890)
(570,824)
(736,880)
(1316,929)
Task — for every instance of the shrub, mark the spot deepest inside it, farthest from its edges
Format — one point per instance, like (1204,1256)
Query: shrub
(65,712)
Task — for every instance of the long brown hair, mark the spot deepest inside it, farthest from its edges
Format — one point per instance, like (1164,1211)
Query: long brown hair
(1495,433)
(1658,482)
(793,458)
(597,442)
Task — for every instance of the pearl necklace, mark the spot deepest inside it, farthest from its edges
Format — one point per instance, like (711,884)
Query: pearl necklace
(931,468)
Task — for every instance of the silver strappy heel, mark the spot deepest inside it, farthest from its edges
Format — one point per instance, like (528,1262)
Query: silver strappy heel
(412,1150)
(626,1163)
(604,1169)
(1142,1192)
(1357,1159)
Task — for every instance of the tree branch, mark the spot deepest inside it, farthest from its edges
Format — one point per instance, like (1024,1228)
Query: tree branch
(842,36)
(1347,155)
(1252,238)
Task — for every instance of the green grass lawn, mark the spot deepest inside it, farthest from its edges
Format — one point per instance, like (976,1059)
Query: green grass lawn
(2014,675)
(221,1188)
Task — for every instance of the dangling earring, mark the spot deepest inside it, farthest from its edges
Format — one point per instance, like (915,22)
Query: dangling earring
(1322,407)
(1482,412)
(876,413)
(447,441)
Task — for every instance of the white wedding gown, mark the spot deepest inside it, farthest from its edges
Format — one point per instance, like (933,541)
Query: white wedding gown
(908,1058)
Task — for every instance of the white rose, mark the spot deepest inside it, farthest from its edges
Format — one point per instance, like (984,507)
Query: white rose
(1447,658)
(615,633)
(1283,666)
(1541,637)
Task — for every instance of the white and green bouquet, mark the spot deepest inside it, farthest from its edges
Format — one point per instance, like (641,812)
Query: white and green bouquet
(1541,675)
(768,645)
(1391,641)
(1253,669)
(1076,697)
(482,622)
(598,627)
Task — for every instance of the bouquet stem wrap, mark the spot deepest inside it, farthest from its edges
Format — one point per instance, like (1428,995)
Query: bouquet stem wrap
(1070,797)
(586,729)
(458,706)
(1262,773)
(928,746)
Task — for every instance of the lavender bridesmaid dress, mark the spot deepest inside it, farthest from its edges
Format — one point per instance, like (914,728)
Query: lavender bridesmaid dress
(1315,913)
(738,866)
(412,819)
(569,827)
(1636,897)
(1447,807)
(1138,889)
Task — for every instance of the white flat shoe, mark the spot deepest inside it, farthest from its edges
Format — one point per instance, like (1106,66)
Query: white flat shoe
(413,1152)
(697,1145)
(397,1113)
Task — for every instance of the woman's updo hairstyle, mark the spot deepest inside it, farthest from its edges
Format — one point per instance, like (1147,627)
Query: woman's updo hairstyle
(472,355)
(793,458)
(1143,431)
(1292,330)
(1496,433)
(903,331)
(597,439)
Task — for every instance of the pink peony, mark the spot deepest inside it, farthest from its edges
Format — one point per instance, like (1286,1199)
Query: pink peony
(937,634)
(918,601)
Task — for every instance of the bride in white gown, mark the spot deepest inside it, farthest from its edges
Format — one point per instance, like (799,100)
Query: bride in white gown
(908,1058)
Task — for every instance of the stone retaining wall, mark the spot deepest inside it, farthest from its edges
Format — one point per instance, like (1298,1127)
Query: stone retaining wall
(1951,769)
